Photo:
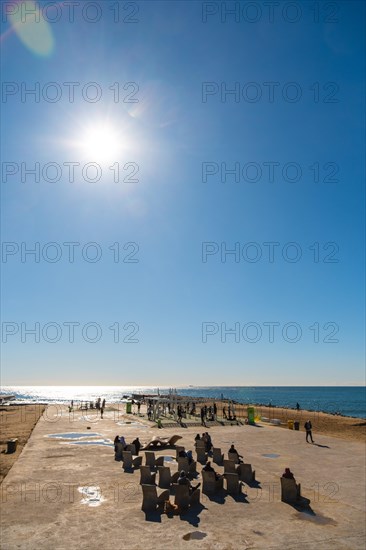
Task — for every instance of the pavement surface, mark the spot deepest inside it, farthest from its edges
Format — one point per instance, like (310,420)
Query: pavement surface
(67,491)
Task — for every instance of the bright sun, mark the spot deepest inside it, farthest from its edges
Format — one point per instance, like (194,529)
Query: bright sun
(100,143)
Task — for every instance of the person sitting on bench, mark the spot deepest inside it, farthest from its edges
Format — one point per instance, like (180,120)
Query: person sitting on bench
(183,480)
(232,450)
(208,468)
(189,455)
(137,444)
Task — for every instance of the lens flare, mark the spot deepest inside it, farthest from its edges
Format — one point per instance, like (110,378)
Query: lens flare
(32,29)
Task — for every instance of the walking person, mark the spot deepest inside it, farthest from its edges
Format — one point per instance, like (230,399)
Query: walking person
(203,417)
(308,427)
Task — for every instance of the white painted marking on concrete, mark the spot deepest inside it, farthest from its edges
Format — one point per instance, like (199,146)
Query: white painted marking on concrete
(92,496)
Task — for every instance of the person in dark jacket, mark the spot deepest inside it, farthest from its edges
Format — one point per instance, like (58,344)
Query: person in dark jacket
(308,427)
(183,480)
(137,444)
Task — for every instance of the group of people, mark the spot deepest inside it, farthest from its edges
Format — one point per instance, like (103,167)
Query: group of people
(183,478)
(119,439)
(182,410)
(207,440)
(229,414)
(186,454)
(208,413)
(138,404)
(208,445)
(98,405)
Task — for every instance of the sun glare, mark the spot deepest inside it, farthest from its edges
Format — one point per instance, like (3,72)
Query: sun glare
(100,143)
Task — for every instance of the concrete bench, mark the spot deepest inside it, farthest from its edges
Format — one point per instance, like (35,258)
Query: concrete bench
(290,490)
(246,473)
(233,485)
(146,476)
(183,498)
(152,499)
(211,485)
(217,456)
(129,462)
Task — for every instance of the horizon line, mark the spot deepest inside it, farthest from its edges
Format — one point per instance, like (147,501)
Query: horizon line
(345,385)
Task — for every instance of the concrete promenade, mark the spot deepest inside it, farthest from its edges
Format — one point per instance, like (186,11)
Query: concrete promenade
(61,494)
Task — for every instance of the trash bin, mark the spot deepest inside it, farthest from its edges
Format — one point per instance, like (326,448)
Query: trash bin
(250,411)
(12,446)
(290,424)
(297,425)
(128,407)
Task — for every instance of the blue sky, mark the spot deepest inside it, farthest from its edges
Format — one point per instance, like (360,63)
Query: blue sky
(170,293)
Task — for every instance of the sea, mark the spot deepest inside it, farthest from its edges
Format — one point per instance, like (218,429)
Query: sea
(344,400)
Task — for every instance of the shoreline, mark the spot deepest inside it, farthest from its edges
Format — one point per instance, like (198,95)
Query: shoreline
(279,407)
(201,400)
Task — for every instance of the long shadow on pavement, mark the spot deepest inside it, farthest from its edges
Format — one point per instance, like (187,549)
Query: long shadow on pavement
(192,515)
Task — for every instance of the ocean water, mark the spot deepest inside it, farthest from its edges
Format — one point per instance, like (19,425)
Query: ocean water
(348,401)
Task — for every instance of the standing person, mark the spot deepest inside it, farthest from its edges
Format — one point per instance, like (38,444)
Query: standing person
(101,412)
(137,444)
(138,407)
(103,404)
(203,417)
(123,442)
(215,410)
(308,427)
(208,442)
(297,407)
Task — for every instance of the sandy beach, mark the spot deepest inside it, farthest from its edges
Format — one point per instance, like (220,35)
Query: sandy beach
(345,427)
(66,477)
(16,422)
